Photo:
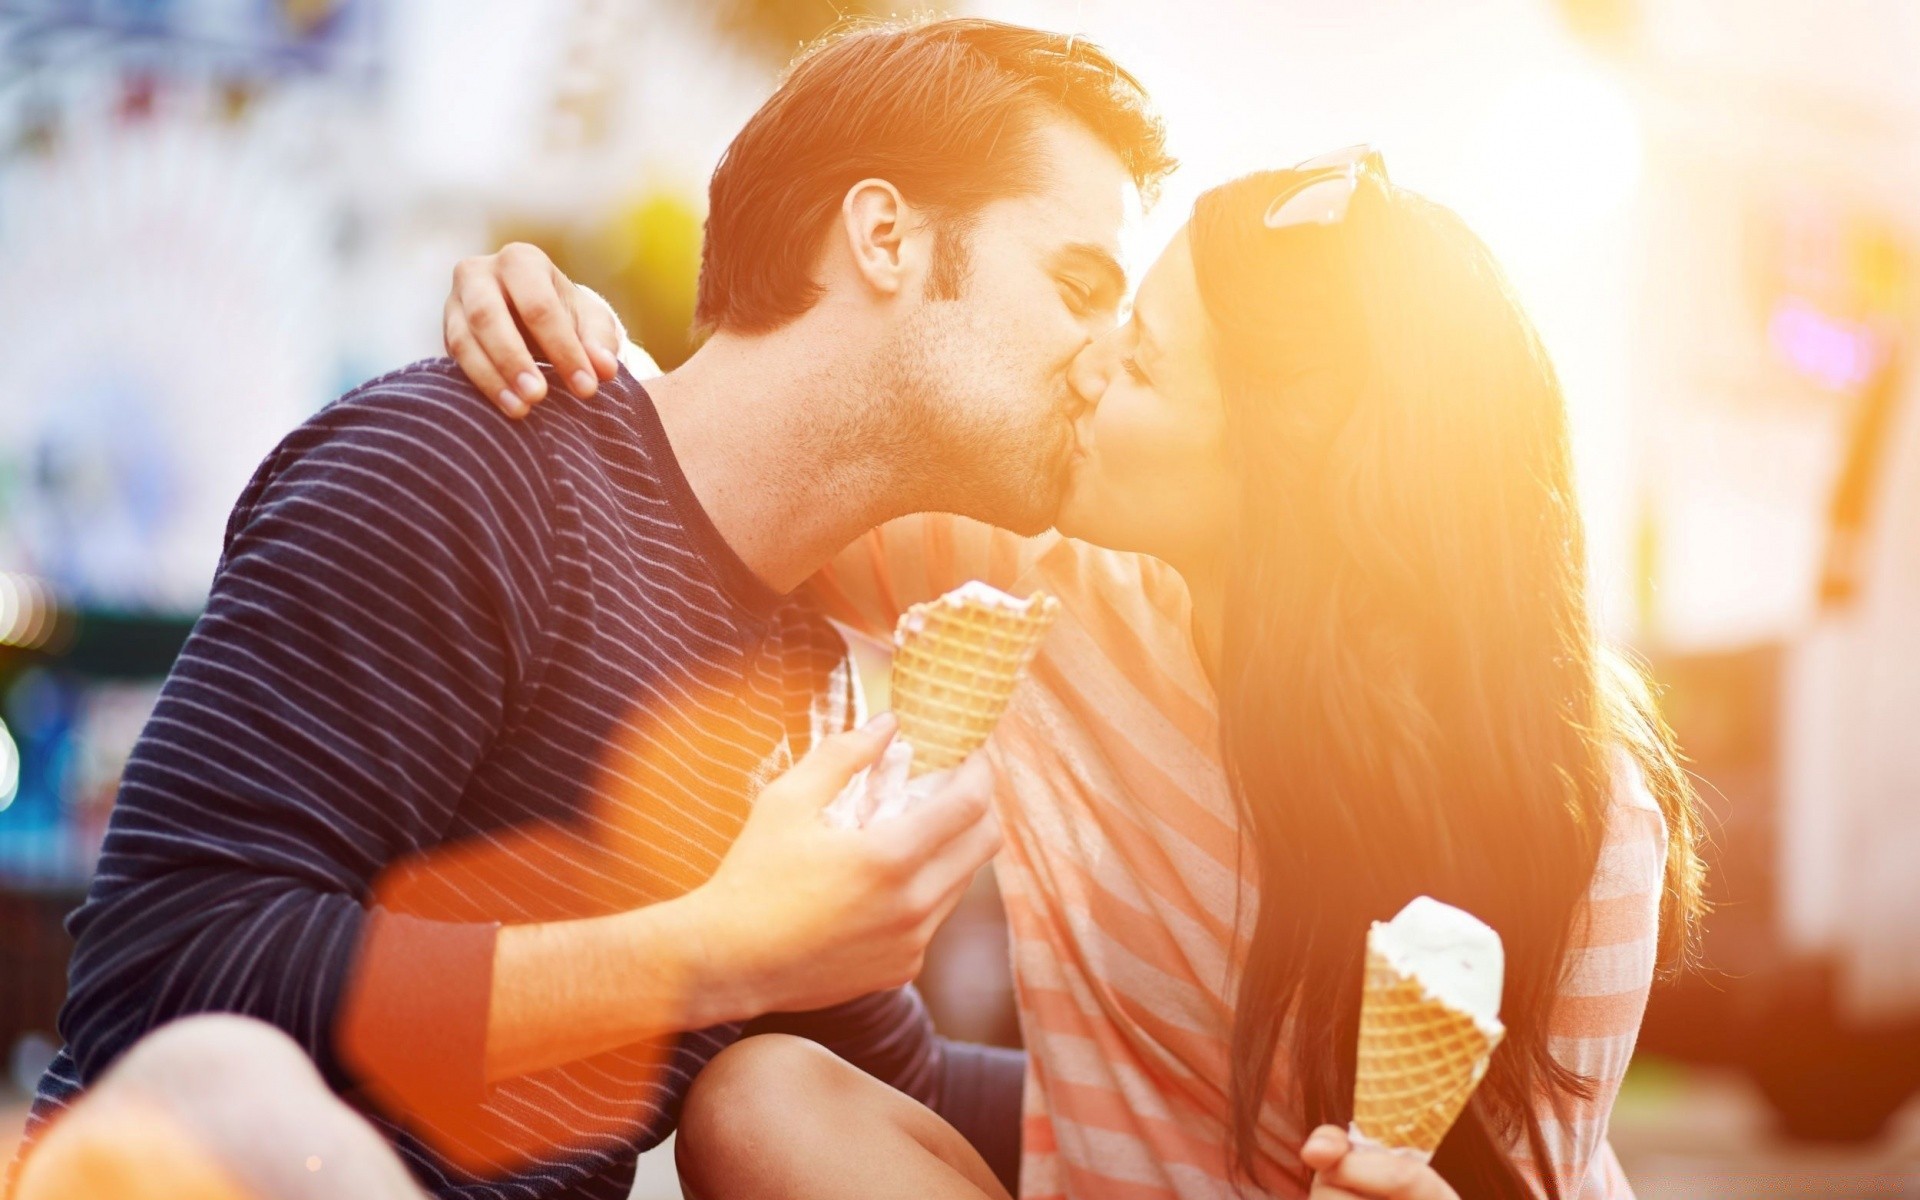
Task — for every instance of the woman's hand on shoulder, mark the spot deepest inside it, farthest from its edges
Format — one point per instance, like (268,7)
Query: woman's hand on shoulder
(1343,1171)
(502,301)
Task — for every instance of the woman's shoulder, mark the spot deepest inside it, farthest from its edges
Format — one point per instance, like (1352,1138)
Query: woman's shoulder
(963,548)
(1120,579)
(1630,791)
(1615,939)
(1127,608)
(1634,848)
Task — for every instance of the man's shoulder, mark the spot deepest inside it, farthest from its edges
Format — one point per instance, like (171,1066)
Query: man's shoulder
(426,419)
(419,436)
(429,400)
(413,471)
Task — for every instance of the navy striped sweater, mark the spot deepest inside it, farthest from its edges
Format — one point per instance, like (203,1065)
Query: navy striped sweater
(456,672)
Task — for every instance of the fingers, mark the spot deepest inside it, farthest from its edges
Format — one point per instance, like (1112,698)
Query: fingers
(1374,1172)
(479,292)
(600,330)
(964,857)
(816,779)
(965,800)
(473,361)
(1324,1147)
(543,299)
(1343,1169)
(976,846)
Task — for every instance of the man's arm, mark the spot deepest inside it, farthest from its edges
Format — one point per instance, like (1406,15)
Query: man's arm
(799,916)
(375,614)
(375,617)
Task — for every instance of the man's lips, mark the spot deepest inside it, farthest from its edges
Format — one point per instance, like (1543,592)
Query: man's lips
(1071,451)
(1083,433)
(1078,414)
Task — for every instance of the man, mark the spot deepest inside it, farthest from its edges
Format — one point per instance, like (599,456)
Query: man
(455,782)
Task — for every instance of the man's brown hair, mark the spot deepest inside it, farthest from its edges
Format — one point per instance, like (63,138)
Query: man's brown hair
(944,110)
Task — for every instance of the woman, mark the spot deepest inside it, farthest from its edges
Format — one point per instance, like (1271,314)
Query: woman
(1325,647)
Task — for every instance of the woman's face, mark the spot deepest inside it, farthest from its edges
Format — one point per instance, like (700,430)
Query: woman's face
(1149,474)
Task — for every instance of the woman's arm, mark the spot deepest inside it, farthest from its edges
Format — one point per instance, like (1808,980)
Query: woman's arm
(503,302)
(1596,1017)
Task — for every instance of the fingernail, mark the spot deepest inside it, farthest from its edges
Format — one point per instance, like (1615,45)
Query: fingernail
(529,385)
(878,722)
(584,383)
(512,403)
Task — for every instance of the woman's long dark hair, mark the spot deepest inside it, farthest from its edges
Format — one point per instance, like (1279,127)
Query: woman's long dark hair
(1413,697)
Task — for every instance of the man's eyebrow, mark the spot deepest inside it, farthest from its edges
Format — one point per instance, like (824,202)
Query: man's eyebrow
(1101,261)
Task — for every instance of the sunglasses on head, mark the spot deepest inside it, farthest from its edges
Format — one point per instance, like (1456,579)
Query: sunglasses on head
(1324,188)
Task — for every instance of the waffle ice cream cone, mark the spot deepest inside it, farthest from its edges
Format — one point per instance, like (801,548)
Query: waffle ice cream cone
(955,663)
(1428,1025)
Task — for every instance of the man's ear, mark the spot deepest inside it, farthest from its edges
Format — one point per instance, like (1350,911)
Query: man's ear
(875,220)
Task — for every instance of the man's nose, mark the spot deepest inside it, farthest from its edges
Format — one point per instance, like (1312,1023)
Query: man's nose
(1087,374)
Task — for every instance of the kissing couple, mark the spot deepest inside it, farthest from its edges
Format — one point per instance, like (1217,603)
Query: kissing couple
(1305,498)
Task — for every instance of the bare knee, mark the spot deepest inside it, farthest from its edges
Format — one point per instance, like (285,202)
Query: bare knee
(761,1085)
(127,1147)
(757,1098)
(250,1100)
(214,1052)
(776,1115)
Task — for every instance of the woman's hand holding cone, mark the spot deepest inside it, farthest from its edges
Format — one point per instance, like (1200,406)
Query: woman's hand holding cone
(1343,1171)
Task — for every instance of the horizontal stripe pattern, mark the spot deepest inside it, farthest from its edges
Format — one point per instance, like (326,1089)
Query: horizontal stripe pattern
(1121,883)
(511,662)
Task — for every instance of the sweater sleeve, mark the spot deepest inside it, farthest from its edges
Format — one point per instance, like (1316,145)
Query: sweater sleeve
(369,630)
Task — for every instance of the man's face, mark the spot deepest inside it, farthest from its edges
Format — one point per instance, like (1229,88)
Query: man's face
(1042,278)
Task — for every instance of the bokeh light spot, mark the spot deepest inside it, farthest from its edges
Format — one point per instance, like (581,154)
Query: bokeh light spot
(9,767)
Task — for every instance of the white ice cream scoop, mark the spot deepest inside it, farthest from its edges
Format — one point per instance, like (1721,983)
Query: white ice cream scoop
(1429,1023)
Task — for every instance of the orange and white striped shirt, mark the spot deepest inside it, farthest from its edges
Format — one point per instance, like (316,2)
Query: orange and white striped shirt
(1120,882)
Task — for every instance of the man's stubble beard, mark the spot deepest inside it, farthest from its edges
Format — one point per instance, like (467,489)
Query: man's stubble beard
(964,450)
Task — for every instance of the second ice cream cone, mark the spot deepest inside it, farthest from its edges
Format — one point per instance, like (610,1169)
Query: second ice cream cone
(1420,1059)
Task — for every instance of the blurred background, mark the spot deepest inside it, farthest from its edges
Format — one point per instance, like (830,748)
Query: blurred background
(216,215)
